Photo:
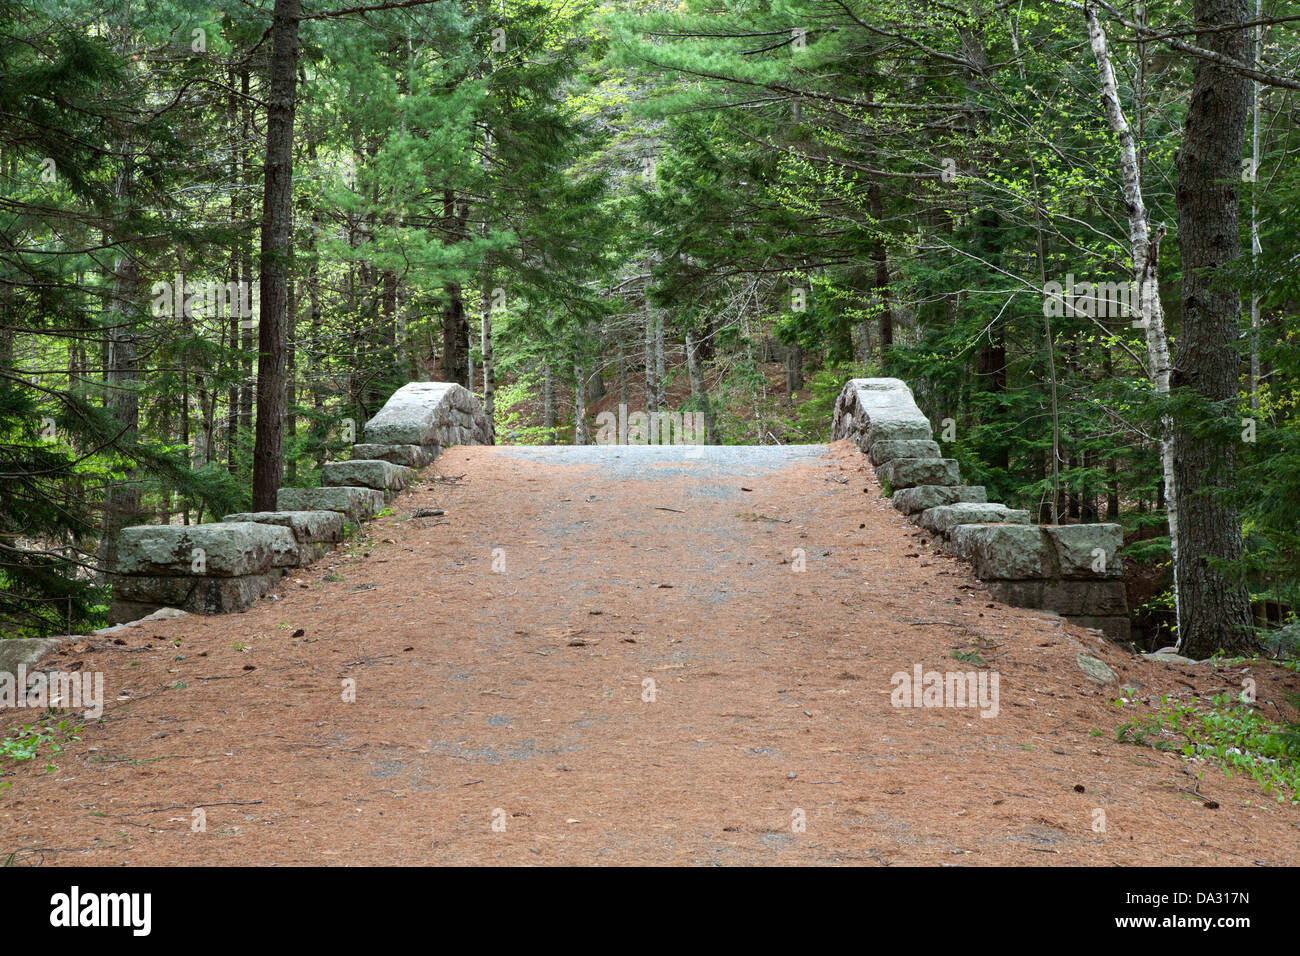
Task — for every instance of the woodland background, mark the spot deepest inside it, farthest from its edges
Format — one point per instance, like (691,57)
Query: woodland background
(726,206)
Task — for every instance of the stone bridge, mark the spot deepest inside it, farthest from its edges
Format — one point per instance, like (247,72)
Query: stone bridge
(229,564)
(1073,570)
(630,654)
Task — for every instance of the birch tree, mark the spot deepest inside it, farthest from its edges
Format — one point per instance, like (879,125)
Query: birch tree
(1144,249)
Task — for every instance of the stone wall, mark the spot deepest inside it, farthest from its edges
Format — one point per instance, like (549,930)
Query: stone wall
(428,415)
(1074,570)
(229,564)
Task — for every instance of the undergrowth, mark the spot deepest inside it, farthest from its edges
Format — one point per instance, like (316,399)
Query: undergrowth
(1228,733)
(47,735)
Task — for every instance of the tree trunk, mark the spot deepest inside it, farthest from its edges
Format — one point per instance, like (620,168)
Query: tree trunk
(489,368)
(404,354)
(1215,610)
(313,378)
(188,325)
(122,367)
(699,391)
(1112,490)
(245,261)
(661,395)
(236,177)
(579,403)
(1145,251)
(277,237)
(388,309)
(622,371)
(595,386)
(860,338)
(455,325)
(651,390)
(1255,248)
(793,371)
(291,385)
(878,256)
(548,402)
(455,336)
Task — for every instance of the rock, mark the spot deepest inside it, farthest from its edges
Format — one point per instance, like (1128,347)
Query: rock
(215,596)
(24,651)
(356,504)
(1168,656)
(1007,552)
(869,410)
(310,552)
(1082,548)
(921,497)
(412,456)
(1097,599)
(910,472)
(943,518)
(1018,593)
(162,614)
(366,473)
(1115,626)
(199,595)
(1097,670)
(1090,604)
(128,613)
(155,589)
(229,549)
(412,414)
(419,412)
(307,526)
(883,451)
(1094,600)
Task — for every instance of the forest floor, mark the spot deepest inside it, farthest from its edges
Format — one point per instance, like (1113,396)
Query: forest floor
(504,716)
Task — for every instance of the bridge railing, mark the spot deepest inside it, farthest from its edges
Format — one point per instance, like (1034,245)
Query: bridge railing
(227,565)
(1074,570)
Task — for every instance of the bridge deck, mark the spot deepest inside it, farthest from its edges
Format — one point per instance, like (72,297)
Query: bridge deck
(521,694)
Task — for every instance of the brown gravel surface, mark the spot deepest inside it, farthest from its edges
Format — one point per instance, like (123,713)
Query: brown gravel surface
(503,714)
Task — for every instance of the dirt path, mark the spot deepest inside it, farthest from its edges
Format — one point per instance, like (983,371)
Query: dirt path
(522,690)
